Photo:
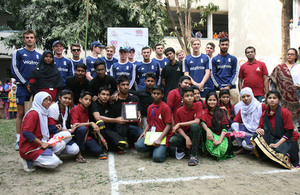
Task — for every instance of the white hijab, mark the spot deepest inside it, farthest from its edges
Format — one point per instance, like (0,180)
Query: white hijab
(54,113)
(250,113)
(42,112)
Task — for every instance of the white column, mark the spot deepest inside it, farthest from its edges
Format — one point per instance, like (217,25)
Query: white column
(210,26)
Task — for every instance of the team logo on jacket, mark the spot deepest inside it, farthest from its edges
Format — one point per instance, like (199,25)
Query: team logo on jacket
(139,33)
(191,62)
(37,57)
(65,63)
(25,54)
(152,67)
(127,67)
(229,59)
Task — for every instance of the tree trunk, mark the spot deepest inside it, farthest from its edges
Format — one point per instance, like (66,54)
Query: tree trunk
(285,30)
(177,33)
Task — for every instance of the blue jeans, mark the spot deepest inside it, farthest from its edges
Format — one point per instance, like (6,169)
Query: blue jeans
(79,135)
(159,153)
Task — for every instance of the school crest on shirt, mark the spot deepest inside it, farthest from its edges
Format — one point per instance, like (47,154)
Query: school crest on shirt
(178,69)
(106,111)
(160,116)
(258,69)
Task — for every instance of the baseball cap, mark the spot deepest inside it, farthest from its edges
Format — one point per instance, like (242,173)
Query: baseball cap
(96,44)
(57,41)
(123,49)
(131,48)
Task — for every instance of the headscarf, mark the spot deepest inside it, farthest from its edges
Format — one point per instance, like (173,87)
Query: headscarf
(47,75)
(42,112)
(13,91)
(54,113)
(250,113)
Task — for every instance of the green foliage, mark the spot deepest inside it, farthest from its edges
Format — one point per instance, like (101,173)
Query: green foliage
(66,19)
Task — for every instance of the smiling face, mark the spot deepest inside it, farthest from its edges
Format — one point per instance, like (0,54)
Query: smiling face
(212,101)
(180,56)
(225,98)
(65,100)
(110,53)
(58,49)
(75,52)
(209,50)
(197,95)
(185,83)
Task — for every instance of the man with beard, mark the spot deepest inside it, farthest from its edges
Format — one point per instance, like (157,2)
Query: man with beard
(78,82)
(254,74)
(225,70)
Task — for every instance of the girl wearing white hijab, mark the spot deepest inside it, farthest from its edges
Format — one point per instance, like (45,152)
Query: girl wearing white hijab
(34,149)
(247,118)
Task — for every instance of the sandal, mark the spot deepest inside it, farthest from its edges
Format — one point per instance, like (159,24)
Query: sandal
(193,161)
(80,160)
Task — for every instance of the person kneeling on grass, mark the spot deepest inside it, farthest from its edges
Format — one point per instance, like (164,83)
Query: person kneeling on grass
(34,149)
(159,119)
(83,134)
(215,124)
(187,129)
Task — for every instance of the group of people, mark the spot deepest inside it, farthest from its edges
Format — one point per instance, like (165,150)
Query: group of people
(187,103)
(8,99)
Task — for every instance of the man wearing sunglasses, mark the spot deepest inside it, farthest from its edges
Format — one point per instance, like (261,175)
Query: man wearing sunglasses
(76,51)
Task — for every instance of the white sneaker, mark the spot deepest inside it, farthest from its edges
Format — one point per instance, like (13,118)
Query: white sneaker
(179,155)
(26,168)
(17,146)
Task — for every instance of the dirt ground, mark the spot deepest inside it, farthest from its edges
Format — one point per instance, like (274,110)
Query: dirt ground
(134,173)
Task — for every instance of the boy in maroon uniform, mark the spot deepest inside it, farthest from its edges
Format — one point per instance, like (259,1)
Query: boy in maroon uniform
(159,119)
(187,129)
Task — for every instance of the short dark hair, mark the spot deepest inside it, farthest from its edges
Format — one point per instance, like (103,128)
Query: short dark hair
(65,92)
(122,78)
(223,39)
(150,74)
(195,87)
(84,93)
(169,49)
(182,78)
(80,65)
(28,31)
(156,87)
(158,44)
(75,45)
(223,92)
(146,47)
(275,92)
(104,88)
(250,47)
(187,89)
(99,62)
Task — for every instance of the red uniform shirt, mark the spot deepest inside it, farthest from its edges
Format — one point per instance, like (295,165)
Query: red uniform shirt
(184,114)
(162,116)
(79,115)
(286,117)
(207,118)
(31,124)
(252,74)
(238,117)
(174,100)
(228,108)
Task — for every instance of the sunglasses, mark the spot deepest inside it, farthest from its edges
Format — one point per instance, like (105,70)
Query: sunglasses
(76,50)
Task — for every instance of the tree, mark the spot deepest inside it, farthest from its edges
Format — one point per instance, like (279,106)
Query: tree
(66,19)
(185,21)
(285,30)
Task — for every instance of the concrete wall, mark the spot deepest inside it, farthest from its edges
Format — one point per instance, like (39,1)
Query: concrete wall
(256,23)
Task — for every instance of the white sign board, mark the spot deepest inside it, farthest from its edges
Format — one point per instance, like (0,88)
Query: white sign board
(128,37)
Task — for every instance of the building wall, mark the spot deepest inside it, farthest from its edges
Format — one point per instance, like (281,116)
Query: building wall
(256,23)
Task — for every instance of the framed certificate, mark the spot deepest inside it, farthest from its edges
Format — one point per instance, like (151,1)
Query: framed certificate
(130,111)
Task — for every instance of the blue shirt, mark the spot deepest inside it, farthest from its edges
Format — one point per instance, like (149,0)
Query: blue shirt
(22,63)
(108,62)
(89,62)
(196,67)
(224,71)
(141,70)
(162,62)
(76,62)
(127,68)
(65,67)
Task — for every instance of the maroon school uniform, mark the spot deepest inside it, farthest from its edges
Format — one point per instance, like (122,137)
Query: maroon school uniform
(286,119)
(79,115)
(184,114)
(162,116)
(52,121)
(238,117)
(253,76)
(228,108)
(31,124)
(207,118)
(174,100)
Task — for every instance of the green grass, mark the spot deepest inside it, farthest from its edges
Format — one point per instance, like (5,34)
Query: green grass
(7,132)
